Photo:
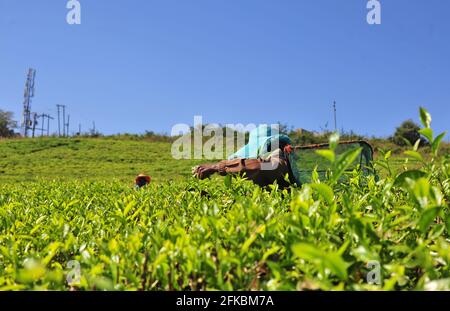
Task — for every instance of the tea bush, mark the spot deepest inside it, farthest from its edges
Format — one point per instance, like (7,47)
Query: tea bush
(390,234)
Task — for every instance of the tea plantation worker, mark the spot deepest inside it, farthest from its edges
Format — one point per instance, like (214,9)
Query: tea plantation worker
(257,161)
(142,180)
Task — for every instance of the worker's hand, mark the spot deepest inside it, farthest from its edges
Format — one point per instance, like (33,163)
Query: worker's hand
(204,171)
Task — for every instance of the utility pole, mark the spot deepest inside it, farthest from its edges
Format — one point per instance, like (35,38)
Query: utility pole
(59,128)
(79,129)
(67,124)
(42,123)
(48,124)
(42,129)
(64,120)
(28,94)
(35,116)
(335,120)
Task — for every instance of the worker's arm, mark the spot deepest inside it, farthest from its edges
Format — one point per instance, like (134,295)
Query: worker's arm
(261,171)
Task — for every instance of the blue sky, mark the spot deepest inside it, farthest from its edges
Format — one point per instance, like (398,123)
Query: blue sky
(139,65)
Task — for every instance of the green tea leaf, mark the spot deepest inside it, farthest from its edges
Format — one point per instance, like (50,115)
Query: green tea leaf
(421,191)
(332,261)
(345,160)
(327,154)
(414,154)
(447,224)
(333,141)
(427,217)
(425,117)
(428,133)
(437,142)
(227,181)
(411,174)
(325,191)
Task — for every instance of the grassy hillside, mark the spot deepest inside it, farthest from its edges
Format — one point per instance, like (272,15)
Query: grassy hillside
(88,158)
(103,159)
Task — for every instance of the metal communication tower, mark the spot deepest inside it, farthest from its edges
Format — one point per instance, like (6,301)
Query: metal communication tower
(27,123)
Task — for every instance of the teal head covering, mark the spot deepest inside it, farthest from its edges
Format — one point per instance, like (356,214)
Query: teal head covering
(260,142)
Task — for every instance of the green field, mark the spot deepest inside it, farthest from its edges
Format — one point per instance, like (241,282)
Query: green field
(108,159)
(68,206)
(88,159)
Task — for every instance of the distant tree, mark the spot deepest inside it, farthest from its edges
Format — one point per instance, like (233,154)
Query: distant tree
(284,128)
(7,124)
(408,131)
